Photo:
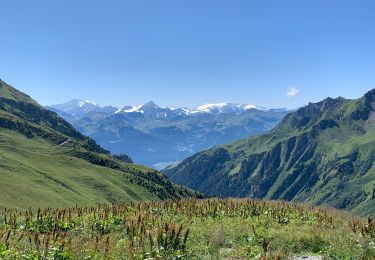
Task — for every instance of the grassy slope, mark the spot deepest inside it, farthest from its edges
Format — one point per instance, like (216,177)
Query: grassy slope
(323,153)
(37,171)
(36,174)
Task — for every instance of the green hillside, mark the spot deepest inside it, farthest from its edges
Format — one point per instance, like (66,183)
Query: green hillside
(45,162)
(323,153)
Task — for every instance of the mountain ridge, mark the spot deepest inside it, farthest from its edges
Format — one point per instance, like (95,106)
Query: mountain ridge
(225,107)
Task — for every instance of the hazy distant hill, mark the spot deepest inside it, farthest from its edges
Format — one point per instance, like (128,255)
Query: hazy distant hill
(159,136)
(323,153)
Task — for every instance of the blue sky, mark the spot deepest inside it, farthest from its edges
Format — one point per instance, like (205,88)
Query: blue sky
(188,52)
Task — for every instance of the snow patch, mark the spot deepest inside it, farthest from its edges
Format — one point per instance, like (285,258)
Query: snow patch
(247,107)
(81,103)
(207,107)
(134,109)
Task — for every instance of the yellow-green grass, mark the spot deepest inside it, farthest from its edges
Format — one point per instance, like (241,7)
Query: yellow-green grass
(34,173)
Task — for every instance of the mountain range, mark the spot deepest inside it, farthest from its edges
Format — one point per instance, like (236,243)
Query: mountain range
(45,162)
(323,153)
(158,136)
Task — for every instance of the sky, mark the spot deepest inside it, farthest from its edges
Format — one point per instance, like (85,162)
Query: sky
(188,52)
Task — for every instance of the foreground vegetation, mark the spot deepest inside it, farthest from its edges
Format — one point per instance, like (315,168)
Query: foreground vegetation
(193,229)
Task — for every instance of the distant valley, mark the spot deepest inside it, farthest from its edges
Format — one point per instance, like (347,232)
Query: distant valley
(160,136)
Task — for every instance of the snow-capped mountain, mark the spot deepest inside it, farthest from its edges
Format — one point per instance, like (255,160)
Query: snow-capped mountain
(221,108)
(151,110)
(156,136)
(78,107)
